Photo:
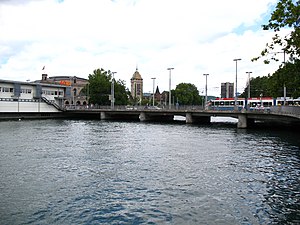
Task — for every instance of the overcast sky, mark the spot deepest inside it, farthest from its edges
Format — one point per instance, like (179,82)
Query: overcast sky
(74,37)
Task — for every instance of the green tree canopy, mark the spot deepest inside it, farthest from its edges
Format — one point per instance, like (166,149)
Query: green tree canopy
(100,88)
(285,15)
(273,86)
(121,93)
(288,76)
(259,86)
(187,94)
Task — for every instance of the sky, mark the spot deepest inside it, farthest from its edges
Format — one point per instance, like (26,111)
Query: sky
(195,37)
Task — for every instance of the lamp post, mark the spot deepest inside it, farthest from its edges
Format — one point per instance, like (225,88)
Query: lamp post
(248,83)
(112,101)
(153,78)
(248,88)
(235,98)
(170,69)
(205,74)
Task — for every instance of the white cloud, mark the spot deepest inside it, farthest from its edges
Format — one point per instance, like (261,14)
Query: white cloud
(74,37)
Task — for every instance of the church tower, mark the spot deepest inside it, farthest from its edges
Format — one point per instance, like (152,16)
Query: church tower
(137,86)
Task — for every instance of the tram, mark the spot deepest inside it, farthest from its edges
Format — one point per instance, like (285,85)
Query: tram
(226,104)
(261,103)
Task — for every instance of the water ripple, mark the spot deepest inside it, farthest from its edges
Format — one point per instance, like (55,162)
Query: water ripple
(95,172)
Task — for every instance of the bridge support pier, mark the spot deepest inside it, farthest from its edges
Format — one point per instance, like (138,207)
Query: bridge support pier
(242,121)
(189,118)
(104,116)
(143,117)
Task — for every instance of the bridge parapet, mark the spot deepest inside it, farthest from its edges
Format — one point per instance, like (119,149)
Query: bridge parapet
(286,110)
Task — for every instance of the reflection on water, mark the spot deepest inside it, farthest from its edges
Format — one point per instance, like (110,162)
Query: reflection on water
(93,172)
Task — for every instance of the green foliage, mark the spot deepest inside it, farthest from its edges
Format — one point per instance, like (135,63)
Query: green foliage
(121,93)
(259,85)
(136,101)
(273,86)
(146,102)
(288,76)
(187,94)
(100,88)
(285,15)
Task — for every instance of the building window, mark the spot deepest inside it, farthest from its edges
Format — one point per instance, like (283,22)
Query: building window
(138,89)
(26,91)
(5,89)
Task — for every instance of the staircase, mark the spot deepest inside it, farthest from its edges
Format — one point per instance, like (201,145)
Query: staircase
(52,103)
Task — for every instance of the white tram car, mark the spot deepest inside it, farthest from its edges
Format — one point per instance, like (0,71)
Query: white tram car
(263,103)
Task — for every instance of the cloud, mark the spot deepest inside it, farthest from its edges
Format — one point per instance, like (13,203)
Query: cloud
(74,37)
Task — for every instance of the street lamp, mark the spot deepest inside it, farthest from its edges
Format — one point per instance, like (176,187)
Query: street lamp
(112,101)
(170,69)
(248,90)
(235,98)
(153,78)
(205,74)
(248,83)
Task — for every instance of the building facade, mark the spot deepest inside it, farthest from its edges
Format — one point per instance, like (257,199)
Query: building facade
(16,96)
(75,86)
(137,87)
(227,90)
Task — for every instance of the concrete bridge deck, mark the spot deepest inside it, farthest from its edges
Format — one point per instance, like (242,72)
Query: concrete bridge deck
(277,115)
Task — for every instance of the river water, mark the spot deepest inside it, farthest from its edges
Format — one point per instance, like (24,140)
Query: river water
(100,172)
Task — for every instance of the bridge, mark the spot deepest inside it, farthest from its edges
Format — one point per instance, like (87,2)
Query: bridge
(286,115)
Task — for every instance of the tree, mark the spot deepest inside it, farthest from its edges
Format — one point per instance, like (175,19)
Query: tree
(273,86)
(287,76)
(259,86)
(100,88)
(285,15)
(187,94)
(121,93)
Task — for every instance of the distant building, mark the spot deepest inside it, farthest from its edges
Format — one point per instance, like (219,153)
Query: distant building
(227,90)
(164,98)
(157,96)
(137,86)
(75,86)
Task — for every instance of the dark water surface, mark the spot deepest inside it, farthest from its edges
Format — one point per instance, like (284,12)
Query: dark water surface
(96,172)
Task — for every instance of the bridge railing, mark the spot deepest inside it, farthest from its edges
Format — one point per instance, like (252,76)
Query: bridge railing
(294,110)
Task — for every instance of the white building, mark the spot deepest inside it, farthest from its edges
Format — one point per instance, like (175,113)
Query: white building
(18,96)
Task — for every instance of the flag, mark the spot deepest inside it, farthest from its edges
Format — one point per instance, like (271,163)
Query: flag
(298,21)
